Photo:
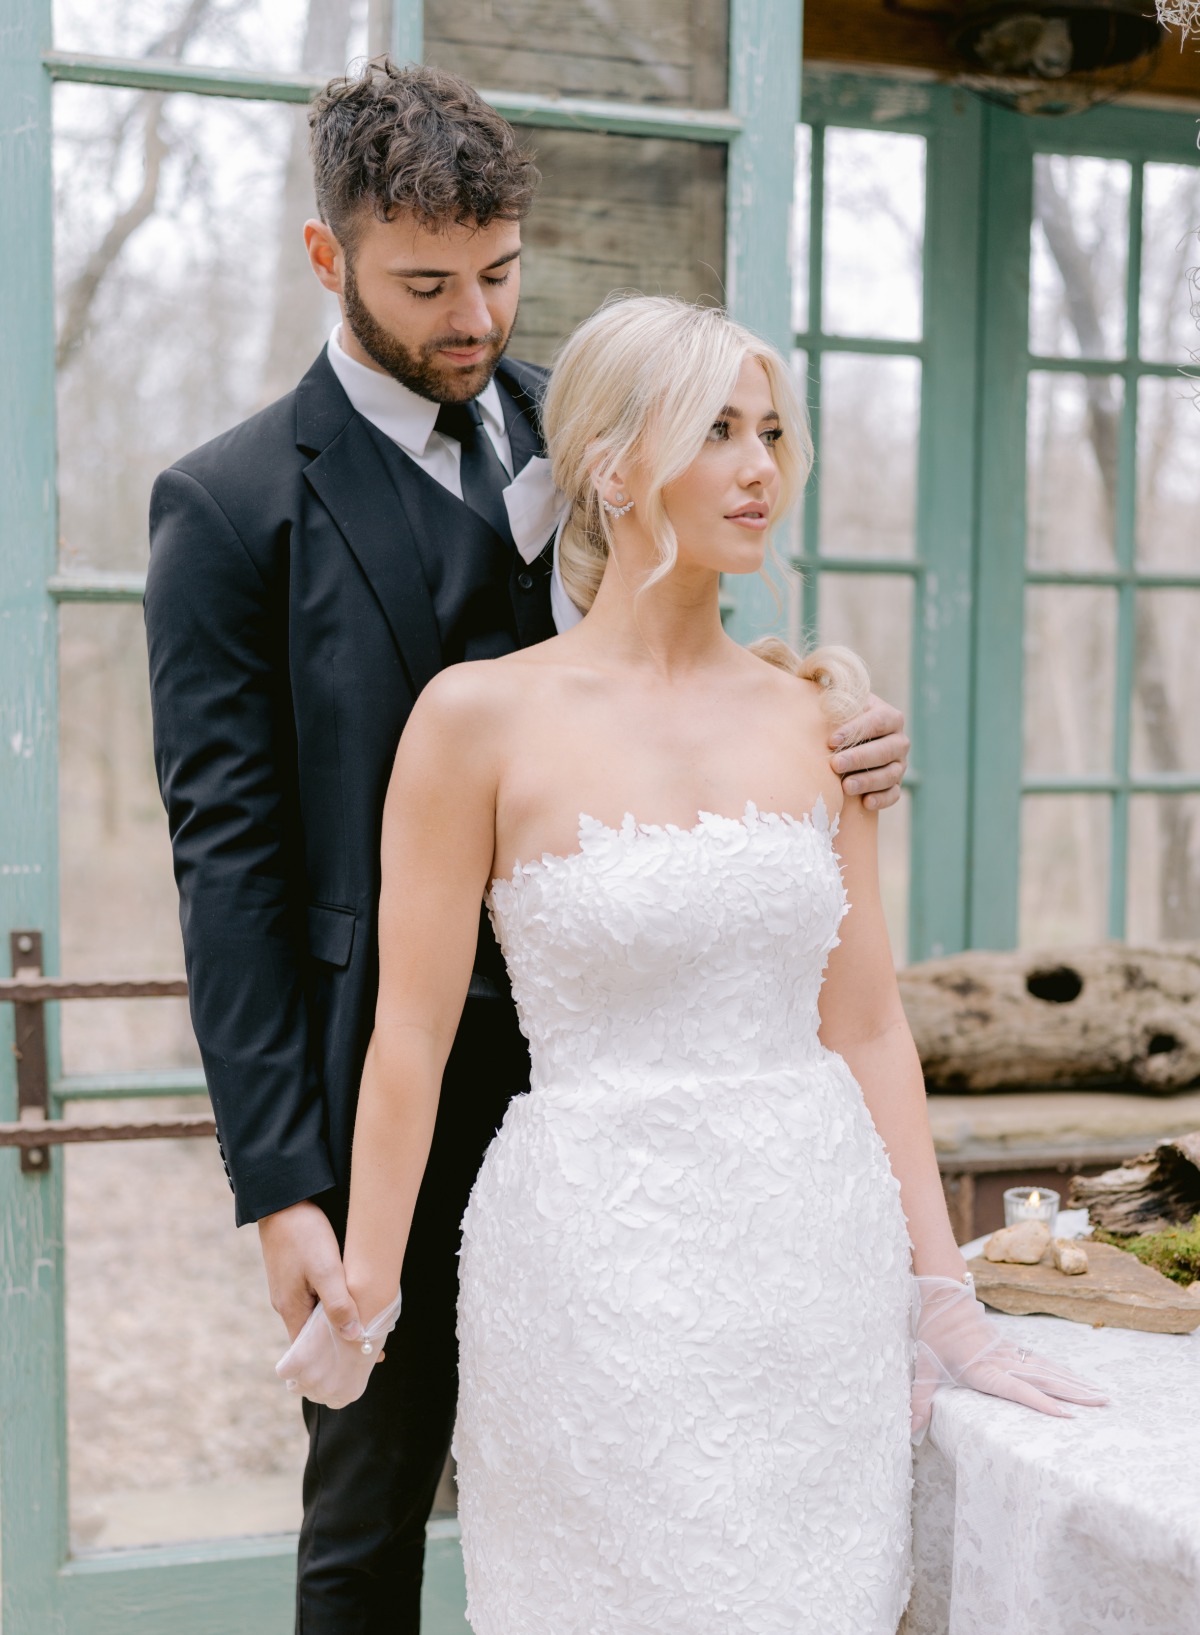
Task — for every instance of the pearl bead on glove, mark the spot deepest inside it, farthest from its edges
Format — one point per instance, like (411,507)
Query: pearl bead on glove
(326,1368)
(959,1344)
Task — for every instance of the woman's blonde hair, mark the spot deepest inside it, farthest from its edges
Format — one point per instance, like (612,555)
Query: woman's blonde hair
(640,383)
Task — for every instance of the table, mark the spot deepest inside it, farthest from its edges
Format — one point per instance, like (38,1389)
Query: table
(1028,1525)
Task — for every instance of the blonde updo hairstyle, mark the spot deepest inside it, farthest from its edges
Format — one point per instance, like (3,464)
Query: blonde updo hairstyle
(639,384)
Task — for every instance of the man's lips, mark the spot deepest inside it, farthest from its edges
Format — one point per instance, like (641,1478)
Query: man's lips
(465,354)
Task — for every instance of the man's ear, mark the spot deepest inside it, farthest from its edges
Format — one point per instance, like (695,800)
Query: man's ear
(325,255)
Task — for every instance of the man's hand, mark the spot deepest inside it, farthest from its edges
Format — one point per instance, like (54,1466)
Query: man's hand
(876,762)
(303,1265)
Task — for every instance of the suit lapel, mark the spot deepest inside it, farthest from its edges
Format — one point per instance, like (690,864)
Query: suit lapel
(522,418)
(350,479)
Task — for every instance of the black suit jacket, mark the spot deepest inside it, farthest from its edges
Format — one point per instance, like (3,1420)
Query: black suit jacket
(290,629)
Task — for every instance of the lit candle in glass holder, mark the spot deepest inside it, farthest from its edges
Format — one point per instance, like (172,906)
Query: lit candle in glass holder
(1030,1204)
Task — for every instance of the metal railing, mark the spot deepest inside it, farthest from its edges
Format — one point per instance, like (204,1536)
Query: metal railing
(29,991)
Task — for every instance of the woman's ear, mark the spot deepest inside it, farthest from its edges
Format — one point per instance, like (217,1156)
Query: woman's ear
(611,489)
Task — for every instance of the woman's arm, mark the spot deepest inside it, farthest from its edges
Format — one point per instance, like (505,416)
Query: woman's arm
(863,1020)
(437,848)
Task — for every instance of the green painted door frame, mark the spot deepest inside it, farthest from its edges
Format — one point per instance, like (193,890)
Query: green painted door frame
(240,1586)
(968,570)
(941,570)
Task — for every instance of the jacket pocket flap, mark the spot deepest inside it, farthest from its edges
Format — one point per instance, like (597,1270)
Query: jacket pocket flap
(330,933)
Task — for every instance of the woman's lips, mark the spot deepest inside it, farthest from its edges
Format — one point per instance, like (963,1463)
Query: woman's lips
(748,520)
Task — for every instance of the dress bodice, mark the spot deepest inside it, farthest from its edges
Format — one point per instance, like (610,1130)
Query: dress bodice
(656,948)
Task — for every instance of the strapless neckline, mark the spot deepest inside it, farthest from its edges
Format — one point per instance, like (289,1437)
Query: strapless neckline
(591,830)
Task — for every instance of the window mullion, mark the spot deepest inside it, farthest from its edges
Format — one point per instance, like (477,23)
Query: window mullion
(524,108)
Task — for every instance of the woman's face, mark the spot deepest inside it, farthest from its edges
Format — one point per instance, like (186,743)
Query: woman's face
(722,506)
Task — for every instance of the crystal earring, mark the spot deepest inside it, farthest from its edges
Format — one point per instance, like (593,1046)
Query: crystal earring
(619,509)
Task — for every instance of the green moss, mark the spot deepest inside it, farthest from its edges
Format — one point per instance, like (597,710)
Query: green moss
(1175,1252)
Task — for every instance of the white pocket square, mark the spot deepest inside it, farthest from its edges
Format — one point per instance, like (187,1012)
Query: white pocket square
(535,507)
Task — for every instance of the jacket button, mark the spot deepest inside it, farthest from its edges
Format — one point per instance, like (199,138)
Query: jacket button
(525,580)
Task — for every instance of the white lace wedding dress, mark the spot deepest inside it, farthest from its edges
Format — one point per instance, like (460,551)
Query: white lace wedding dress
(684,1308)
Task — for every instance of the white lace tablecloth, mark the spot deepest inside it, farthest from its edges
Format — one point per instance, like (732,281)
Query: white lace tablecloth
(1027,1525)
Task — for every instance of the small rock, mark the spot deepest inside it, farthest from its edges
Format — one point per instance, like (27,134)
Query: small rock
(1023,1244)
(1069,1256)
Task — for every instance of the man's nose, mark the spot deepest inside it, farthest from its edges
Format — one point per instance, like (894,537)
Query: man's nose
(470,315)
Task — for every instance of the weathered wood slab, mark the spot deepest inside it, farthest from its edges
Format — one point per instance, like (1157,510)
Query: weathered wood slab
(1150,1193)
(1116,1291)
(1107,1014)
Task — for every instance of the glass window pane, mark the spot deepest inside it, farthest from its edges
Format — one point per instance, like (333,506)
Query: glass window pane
(206,312)
(874,233)
(284,36)
(872,613)
(1065,843)
(178,1428)
(1166,690)
(674,52)
(1164,869)
(1168,519)
(867,454)
(1170,219)
(1071,475)
(1070,680)
(1080,247)
(119,913)
(801,210)
(617,212)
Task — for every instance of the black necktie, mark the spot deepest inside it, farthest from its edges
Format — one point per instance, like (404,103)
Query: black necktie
(480,470)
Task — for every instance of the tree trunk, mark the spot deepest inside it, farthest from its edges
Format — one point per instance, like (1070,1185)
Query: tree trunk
(1083,1016)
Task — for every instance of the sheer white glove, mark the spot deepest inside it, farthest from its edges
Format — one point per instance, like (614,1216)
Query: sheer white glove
(328,1369)
(959,1344)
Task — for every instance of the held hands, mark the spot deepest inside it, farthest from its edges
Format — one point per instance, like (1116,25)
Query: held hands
(877,758)
(959,1344)
(325,1367)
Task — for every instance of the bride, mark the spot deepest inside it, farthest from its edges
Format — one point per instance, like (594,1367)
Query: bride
(688,1262)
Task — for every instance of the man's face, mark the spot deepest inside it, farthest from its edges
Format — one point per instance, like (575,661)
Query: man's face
(432,308)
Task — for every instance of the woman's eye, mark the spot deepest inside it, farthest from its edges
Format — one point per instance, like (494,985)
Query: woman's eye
(772,436)
(719,431)
(497,283)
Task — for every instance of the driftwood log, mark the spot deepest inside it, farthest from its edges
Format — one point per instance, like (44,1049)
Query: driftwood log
(1088,1017)
(1158,1190)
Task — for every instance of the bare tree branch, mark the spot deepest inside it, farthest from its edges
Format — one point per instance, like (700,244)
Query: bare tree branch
(85,286)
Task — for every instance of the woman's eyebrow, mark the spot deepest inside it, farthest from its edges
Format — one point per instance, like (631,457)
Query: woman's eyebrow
(732,412)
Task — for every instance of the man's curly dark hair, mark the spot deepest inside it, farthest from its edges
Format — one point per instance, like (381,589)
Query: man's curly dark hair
(415,139)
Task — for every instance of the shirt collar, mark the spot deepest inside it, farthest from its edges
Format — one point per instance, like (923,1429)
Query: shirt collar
(403,415)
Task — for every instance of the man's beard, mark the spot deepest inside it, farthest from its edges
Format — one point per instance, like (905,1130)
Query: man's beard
(440,383)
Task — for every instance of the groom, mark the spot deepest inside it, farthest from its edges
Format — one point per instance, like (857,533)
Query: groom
(310,571)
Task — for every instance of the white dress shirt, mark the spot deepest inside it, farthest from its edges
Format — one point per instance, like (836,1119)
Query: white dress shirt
(409,420)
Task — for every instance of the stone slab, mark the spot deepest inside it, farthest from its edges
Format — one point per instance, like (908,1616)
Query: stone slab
(1116,1291)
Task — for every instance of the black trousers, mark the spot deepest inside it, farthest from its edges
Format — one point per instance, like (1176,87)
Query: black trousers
(373,1468)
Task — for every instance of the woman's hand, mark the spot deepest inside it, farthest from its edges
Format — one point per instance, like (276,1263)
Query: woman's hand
(327,1368)
(959,1344)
